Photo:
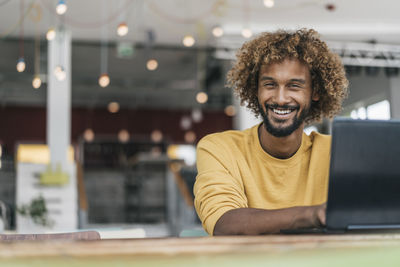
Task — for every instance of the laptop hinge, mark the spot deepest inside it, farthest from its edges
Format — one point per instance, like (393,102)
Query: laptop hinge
(373,226)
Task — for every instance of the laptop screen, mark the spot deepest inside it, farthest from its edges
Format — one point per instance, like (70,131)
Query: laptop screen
(364,182)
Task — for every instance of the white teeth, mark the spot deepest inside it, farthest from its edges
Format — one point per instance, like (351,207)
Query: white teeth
(282,112)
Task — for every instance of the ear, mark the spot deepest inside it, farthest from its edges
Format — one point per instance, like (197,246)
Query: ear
(315,95)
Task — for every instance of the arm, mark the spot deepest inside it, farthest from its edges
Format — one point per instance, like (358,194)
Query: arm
(222,204)
(250,221)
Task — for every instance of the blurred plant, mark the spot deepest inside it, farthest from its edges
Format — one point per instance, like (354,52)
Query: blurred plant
(37,210)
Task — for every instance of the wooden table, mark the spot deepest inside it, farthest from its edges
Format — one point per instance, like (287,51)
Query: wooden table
(274,250)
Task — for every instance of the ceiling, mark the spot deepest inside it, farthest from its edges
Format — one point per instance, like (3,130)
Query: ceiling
(156,29)
(170,20)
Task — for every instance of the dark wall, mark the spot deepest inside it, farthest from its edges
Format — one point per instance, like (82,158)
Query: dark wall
(21,125)
(28,124)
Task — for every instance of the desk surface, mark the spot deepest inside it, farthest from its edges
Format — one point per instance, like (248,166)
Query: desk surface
(275,250)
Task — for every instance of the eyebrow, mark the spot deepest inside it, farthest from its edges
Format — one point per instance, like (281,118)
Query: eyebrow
(298,80)
(266,78)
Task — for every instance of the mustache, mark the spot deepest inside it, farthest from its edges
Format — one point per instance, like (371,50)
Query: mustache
(276,106)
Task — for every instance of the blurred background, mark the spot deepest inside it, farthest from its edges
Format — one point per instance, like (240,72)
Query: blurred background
(102,102)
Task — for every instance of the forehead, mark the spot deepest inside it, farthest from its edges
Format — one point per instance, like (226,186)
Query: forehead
(291,68)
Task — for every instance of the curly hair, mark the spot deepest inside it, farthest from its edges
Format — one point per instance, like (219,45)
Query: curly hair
(327,72)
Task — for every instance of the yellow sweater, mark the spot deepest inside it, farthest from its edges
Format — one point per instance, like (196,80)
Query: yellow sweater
(235,172)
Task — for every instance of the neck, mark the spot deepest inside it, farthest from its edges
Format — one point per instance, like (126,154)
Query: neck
(280,147)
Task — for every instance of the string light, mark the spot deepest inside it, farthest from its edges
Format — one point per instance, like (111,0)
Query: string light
(156,136)
(88,135)
(36,82)
(61,7)
(21,64)
(197,115)
(123,136)
(201,97)
(113,107)
(188,41)
(247,33)
(185,123)
(104,80)
(269,3)
(190,137)
(21,61)
(217,31)
(60,73)
(152,64)
(51,34)
(230,111)
(122,29)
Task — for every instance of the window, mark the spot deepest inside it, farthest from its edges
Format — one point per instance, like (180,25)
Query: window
(377,111)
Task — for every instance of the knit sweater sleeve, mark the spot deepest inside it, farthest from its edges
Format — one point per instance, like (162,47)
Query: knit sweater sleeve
(218,187)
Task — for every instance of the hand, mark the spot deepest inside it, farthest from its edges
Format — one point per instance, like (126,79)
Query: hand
(251,221)
(319,214)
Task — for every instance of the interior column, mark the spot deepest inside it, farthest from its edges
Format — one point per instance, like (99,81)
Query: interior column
(59,98)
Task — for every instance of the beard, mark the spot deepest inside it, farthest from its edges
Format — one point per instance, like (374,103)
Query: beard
(283,131)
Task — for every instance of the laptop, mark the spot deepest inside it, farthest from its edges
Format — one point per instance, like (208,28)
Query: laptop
(364,178)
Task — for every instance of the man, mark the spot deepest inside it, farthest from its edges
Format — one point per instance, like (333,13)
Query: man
(272,176)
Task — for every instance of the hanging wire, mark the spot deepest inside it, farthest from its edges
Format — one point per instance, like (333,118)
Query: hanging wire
(104,44)
(20,21)
(128,11)
(159,11)
(36,19)
(92,24)
(138,19)
(37,53)
(21,30)
(122,17)
(36,13)
(246,13)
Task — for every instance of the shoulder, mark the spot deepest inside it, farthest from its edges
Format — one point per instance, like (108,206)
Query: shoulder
(229,138)
(319,140)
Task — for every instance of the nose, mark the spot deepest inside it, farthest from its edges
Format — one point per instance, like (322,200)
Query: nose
(281,96)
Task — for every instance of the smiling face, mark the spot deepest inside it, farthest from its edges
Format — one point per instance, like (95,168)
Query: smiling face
(284,95)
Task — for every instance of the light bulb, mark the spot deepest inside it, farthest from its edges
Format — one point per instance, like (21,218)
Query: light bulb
(201,97)
(188,41)
(185,123)
(61,7)
(113,107)
(88,135)
(51,34)
(152,64)
(122,29)
(230,111)
(197,115)
(36,82)
(21,64)
(217,31)
(60,73)
(104,80)
(247,33)
(123,136)
(156,136)
(190,137)
(269,3)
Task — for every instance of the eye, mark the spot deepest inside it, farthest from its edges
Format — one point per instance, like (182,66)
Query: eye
(269,84)
(295,85)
